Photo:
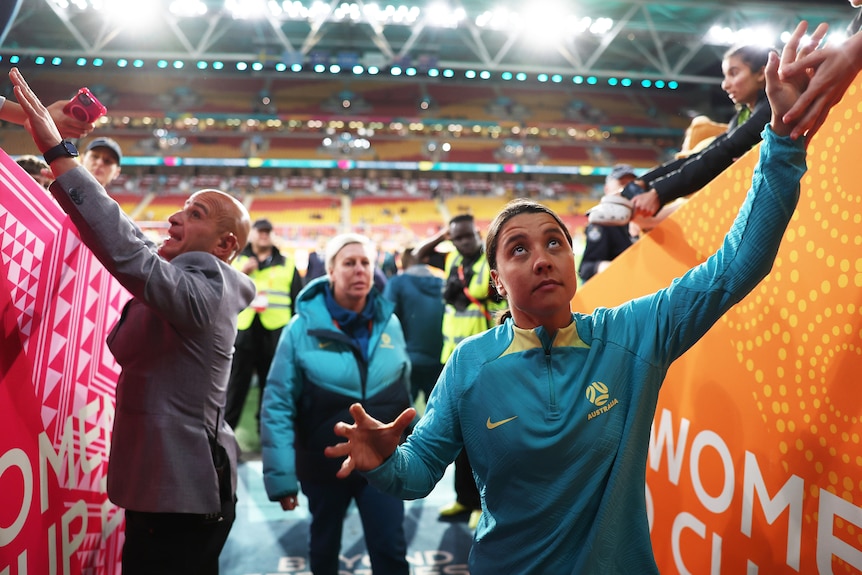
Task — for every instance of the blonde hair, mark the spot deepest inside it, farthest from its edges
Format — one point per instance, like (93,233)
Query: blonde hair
(337,243)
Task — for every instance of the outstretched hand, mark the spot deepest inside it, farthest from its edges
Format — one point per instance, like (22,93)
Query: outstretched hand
(647,204)
(831,70)
(69,126)
(785,91)
(369,441)
(39,121)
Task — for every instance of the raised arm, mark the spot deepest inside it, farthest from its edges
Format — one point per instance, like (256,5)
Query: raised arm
(68,126)
(39,121)
(425,249)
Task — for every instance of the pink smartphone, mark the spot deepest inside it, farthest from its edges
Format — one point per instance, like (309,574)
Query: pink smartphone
(85,107)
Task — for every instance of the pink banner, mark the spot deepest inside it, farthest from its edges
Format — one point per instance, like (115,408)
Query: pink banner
(57,384)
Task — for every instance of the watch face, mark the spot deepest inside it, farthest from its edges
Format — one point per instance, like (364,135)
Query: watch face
(70,148)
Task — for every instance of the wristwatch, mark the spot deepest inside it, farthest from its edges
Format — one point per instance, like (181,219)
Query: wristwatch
(63,149)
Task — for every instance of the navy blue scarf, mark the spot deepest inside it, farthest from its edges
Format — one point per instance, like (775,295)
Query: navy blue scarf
(355,325)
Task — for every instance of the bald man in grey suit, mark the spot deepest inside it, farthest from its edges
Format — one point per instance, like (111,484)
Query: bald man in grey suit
(172,465)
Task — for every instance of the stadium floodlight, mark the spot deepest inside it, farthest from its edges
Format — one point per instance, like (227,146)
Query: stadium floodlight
(218,65)
(626,82)
(833,39)
(122,63)
(319,68)
(373,70)
(659,84)
(592,80)
(646,83)
(358,70)
(578,79)
(470,74)
(673,85)
(138,63)
(242,66)
(395,71)
(187,8)
(556,78)
(98,62)
(39,60)
(433,72)
(162,63)
(56,61)
(246,10)
(440,15)
(81,61)
(485,75)
(542,77)
(257,66)
(411,71)
(179,64)
(296,67)
(280,67)
(334,69)
(613,81)
(202,65)
(448,73)
(520,76)
(725,36)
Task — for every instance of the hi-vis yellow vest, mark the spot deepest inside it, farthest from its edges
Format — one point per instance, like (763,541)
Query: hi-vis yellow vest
(458,325)
(273,286)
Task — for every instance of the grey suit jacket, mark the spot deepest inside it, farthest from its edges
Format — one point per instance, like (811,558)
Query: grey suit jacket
(174,344)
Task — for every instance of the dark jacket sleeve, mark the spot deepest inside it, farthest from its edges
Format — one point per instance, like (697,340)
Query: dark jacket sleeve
(296,285)
(603,244)
(701,168)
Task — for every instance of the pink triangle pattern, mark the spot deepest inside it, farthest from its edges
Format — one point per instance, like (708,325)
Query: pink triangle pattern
(63,303)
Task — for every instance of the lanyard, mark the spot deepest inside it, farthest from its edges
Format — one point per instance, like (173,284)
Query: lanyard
(470,296)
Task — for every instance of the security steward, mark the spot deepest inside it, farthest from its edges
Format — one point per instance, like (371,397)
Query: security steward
(259,325)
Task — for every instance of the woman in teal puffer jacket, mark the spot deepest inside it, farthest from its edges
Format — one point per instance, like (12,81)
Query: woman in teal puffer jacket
(343,345)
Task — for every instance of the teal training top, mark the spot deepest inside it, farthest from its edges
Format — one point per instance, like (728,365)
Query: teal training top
(557,428)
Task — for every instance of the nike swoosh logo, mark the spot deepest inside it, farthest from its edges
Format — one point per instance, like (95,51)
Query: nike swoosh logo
(493,425)
(324,344)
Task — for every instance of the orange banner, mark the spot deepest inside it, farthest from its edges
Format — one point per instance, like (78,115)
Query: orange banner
(755,462)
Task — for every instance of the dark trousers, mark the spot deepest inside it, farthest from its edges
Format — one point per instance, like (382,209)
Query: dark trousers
(466,492)
(423,377)
(175,543)
(254,349)
(382,518)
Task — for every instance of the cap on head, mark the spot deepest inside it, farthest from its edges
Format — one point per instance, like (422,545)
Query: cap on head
(263,225)
(107,143)
(337,243)
(620,170)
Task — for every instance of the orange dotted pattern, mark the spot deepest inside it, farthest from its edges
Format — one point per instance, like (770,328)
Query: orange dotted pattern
(797,338)
(799,332)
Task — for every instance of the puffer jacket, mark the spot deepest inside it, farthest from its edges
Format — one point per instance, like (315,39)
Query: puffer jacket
(317,373)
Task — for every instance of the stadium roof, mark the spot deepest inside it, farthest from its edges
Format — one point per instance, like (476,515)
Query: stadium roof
(671,40)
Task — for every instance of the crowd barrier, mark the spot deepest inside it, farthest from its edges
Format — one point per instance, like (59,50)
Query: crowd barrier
(57,382)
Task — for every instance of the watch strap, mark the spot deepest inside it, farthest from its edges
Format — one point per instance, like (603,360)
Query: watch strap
(64,149)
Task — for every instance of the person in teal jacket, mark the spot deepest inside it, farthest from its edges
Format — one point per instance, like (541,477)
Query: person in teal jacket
(343,345)
(553,407)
